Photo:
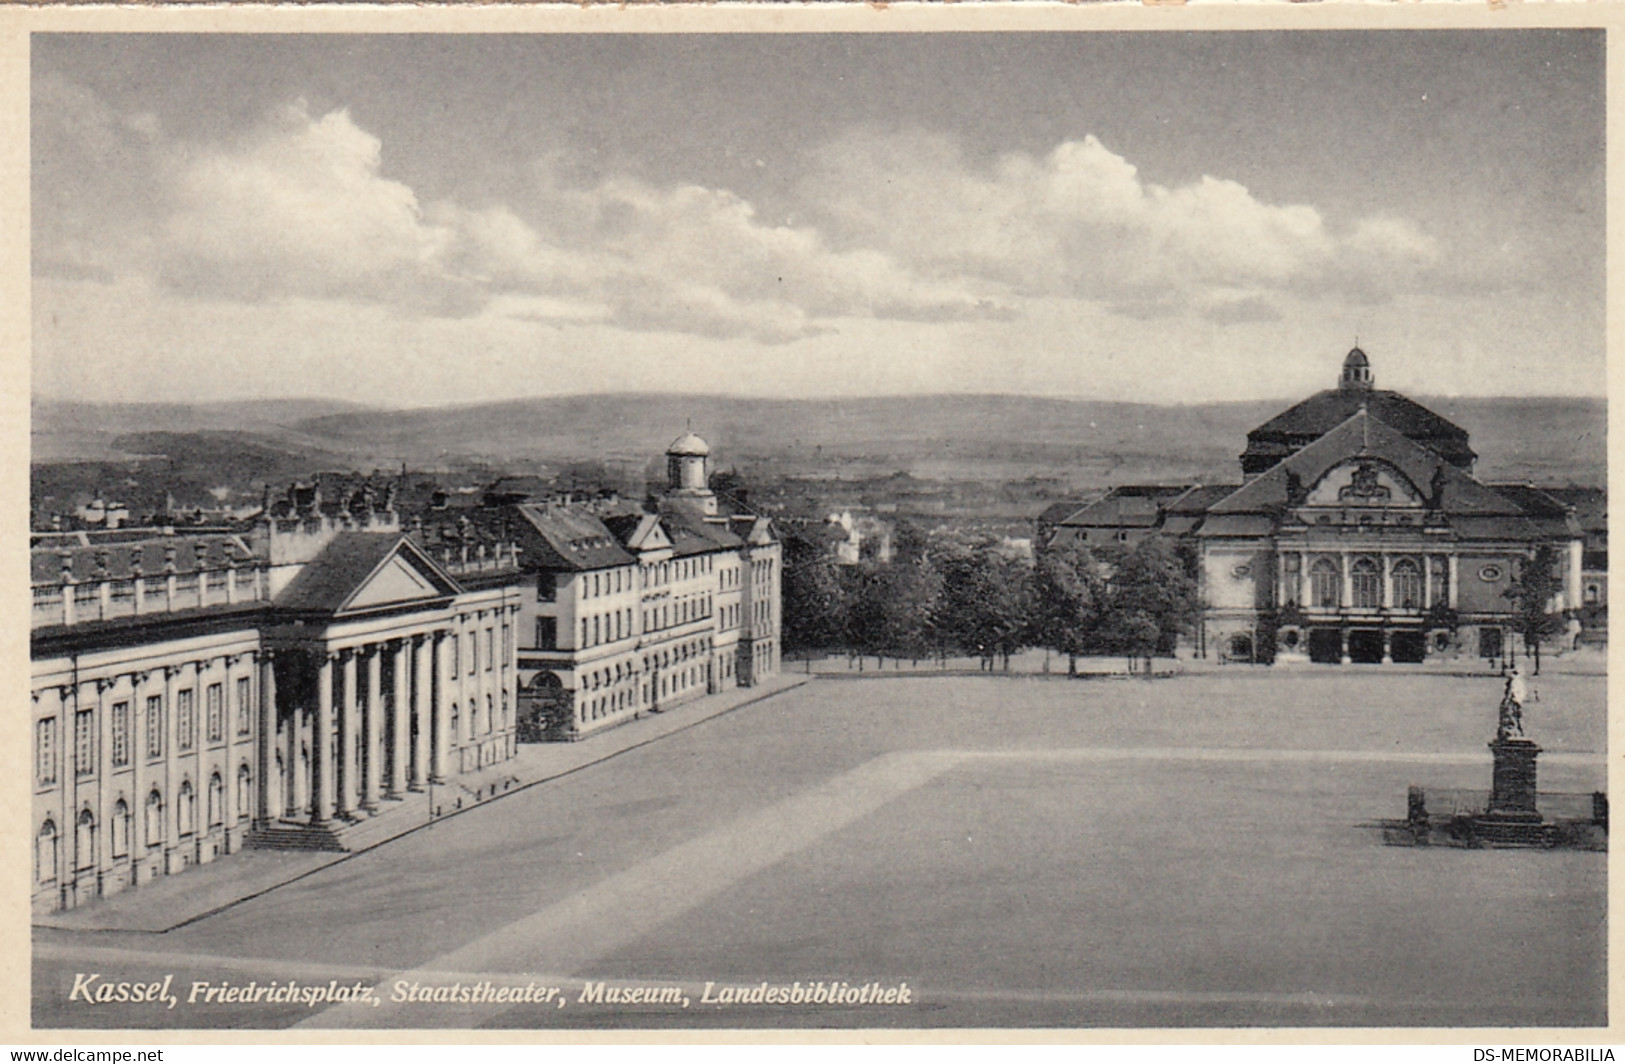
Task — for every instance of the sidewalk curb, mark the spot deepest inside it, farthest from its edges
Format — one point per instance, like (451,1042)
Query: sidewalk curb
(339,858)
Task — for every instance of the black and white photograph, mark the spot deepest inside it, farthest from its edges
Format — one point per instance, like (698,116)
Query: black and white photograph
(1067,530)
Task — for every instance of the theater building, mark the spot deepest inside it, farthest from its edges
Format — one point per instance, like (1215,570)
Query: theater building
(194,694)
(1357,535)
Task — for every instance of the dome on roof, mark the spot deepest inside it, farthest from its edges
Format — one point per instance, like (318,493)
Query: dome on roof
(1356,372)
(688,445)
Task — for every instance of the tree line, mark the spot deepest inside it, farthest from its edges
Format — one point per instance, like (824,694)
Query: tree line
(940,597)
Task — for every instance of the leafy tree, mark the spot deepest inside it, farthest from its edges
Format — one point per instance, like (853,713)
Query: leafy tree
(1532,591)
(1150,600)
(985,606)
(815,603)
(893,608)
(1068,587)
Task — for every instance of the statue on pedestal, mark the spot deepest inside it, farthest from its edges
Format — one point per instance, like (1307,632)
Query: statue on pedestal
(1512,700)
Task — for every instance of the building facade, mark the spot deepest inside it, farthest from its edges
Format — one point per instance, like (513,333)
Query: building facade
(632,613)
(1358,534)
(194,694)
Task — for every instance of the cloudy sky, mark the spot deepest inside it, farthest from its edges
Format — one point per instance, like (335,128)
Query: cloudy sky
(413,220)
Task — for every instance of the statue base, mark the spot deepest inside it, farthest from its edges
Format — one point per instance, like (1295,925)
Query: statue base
(1512,818)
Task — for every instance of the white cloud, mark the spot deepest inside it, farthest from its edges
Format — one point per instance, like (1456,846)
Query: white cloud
(1082,222)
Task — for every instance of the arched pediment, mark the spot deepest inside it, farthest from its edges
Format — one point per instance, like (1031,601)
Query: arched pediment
(1364,482)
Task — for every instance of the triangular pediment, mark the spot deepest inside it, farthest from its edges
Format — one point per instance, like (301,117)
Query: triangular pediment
(396,581)
(649,536)
(1365,482)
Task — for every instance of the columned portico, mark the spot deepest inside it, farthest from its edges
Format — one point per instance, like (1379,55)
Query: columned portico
(370,722)
(347,726)
(422,700)
(321,780)
(398,709)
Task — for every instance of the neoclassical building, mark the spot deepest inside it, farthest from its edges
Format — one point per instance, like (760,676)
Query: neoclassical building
(631,613)
(196,693)
(1358,534)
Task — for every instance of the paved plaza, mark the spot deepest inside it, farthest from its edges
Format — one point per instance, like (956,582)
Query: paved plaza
(1196,850)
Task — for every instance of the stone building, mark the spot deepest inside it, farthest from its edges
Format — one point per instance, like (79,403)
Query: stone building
(1358,534)
(635,612)
(194,694)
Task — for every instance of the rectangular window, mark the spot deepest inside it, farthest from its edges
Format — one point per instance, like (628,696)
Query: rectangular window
(185,720)
(121,734)
(452,654)
(490,649)
(473,651)
(84,742)
(214,700)
(547,633)
(546,587)
(507,643)
(45,751)
(245,706)
(155,726)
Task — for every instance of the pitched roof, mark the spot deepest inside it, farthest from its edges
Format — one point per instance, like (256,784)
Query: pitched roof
(330,581)
(690,536)
(151,554)
(1130,506)
(1324,411)
(557,538)
(1365,434)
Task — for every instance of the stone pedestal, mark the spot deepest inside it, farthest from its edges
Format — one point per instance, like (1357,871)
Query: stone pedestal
(1512,818)
(1512,787)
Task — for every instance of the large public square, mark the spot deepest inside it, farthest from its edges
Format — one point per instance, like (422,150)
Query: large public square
(1030,851)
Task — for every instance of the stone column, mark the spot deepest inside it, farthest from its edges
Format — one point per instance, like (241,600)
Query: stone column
(422,699)
(347,712)
(398,739)
(138,782)
(1427,581)
(442,698)
(1303,574)
(1453,601)
(321,738)
(1387,647)
(290,770)
(1387,587)
(375,705)
(265,759)
(1344,634)
(1348,586)
(171,805)
(228,770)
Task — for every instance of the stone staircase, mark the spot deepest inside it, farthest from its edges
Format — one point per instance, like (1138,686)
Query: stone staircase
(394,816)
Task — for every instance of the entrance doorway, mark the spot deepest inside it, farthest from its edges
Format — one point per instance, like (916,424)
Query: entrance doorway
(1325,646)
(1409,647)
(1365,646)
(1489,642)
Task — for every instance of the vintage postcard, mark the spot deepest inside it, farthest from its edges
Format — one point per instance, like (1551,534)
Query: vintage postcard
(1033,519)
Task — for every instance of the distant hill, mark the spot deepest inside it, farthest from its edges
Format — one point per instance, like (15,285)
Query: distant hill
(73,431)
(1550,440)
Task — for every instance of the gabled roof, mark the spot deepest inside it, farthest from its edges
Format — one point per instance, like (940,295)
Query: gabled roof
(354,563)
(1057,512)
(569,541)
(639,531)
(1363,434)
(1130,506)
(692,536)
(1324,411)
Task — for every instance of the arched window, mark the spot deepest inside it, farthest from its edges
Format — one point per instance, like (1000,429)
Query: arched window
(84,842)
(45,853)
(1325,584)
(121,828)
(186,809)
(1407,581)
(155,819)
(217,801)
(1367,584)
(245,792)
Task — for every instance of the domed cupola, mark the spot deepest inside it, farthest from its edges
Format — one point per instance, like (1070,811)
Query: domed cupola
(1356,372)
(687,475)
